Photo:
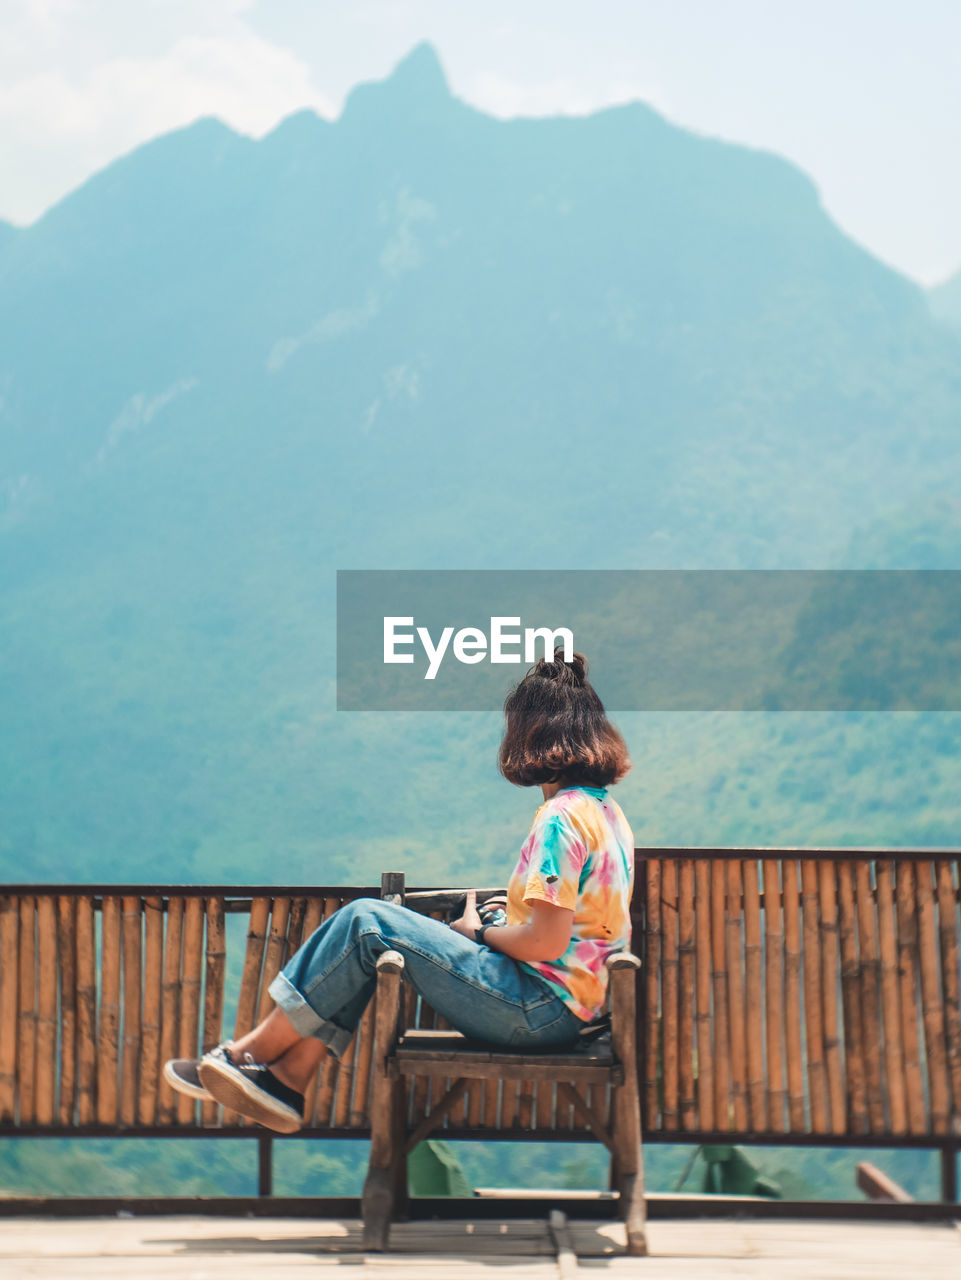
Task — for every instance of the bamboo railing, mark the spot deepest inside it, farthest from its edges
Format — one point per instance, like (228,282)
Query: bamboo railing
(809,994)
(825,997)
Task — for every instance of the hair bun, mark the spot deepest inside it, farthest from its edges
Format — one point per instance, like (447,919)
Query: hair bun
(573,673)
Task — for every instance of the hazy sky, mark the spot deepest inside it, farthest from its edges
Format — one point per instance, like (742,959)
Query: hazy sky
(865,95)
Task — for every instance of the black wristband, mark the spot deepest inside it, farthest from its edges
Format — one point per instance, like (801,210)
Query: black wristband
(479,933)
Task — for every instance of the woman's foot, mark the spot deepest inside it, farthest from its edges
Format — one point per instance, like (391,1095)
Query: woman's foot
(252,1089)
(181,1074)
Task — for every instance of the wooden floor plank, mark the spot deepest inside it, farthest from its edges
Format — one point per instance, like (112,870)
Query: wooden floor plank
(187,1248)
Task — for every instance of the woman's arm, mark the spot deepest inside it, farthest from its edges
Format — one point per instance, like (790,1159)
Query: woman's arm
(544,937)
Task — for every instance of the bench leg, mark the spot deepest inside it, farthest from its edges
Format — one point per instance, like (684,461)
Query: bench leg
(628,1165)
(382,1190)
(378,1208)
(627,1168)
(385,1187)
(398,1108)
(630,1187)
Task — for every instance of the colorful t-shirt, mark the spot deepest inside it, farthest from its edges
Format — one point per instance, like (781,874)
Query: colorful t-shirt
(579,854)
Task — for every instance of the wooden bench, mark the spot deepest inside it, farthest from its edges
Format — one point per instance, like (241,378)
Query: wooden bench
(402,1057)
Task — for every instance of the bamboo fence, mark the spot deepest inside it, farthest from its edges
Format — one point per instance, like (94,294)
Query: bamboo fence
(781,993)
(818,995)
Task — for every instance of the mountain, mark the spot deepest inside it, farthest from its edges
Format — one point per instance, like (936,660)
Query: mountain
(414,337)
(420,281)
(945,300)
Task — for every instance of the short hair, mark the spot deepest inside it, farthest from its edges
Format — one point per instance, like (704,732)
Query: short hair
(557,729)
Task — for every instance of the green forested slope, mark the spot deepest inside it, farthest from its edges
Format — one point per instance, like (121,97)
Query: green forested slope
(421,337)
(168,1167)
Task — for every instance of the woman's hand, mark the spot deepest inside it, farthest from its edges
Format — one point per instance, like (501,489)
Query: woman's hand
(470,921)
(545,936)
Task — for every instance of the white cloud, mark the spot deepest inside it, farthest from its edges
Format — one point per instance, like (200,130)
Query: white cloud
(402,381)
(56,126)
(48,15)
(333,325)
(505,98)
(242,78)
(138,411)
(402,252)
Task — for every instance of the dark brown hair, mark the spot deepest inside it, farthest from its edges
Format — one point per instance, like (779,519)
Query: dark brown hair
(557,729)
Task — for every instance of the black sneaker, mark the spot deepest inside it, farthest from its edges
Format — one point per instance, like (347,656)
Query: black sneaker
(252,1089)
(181,1074)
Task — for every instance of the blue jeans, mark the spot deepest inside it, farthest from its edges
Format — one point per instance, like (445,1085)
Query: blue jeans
(325,986)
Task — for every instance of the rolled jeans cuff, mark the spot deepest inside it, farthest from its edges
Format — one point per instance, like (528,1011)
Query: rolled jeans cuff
(305,1020)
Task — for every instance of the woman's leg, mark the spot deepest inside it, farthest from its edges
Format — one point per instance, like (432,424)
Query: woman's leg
(325,987)
(296,1067)
(265,1073)
(323,990)
(269,1040)
(291,1057)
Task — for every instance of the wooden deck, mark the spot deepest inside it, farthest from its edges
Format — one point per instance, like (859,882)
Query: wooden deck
(191,1248)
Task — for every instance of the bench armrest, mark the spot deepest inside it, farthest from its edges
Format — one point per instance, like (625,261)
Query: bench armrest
(390,969)
(623,967)
(390,962)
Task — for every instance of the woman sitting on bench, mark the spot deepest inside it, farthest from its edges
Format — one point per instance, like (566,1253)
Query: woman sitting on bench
(531,983)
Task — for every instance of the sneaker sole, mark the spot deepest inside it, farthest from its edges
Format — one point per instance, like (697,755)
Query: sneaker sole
(182,1086)
(243,1096)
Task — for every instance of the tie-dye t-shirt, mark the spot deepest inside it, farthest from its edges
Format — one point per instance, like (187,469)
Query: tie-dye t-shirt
(579,854)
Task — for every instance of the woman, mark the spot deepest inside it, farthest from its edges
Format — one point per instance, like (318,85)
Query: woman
(530,983)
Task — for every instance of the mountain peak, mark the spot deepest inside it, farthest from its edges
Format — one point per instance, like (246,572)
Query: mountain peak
(416,84)
(420,71)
